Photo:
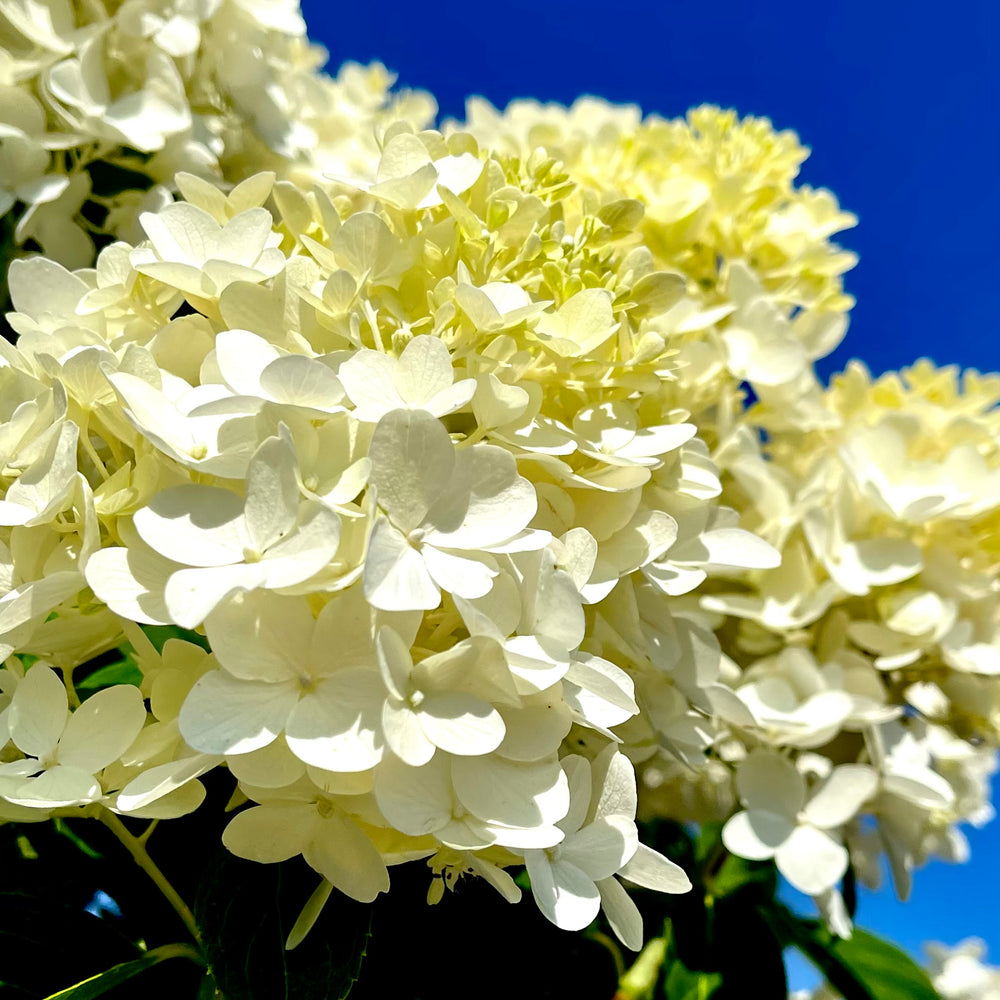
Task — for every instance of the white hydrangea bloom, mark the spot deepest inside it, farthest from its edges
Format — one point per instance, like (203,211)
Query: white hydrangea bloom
(441,438)
(960,972)
(782,821)
(65,750)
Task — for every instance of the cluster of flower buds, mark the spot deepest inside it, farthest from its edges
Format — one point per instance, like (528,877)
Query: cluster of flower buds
(437,444)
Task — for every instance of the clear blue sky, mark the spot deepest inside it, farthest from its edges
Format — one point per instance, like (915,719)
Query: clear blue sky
(900,103)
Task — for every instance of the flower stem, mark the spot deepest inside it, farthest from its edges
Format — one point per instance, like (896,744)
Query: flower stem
(137,848)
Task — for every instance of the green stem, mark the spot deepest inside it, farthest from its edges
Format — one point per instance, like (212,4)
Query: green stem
(178,950)
(137,848)
(639,982)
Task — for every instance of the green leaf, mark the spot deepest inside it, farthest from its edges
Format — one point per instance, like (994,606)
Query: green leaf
(159,634)
(62,827)
(864,967)
(98,985)
(123,671)
(682,984)
(736,874)
(638,981)
(208,990)
(246,910)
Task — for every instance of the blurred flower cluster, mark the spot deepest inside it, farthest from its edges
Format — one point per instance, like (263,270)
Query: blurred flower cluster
(487,470)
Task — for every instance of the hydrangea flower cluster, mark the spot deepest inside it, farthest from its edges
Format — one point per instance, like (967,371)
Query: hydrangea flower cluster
(439,444)
(102,103)
(877,639)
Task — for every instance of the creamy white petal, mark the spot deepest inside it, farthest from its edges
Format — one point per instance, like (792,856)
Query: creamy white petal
(622,913)
(38,711)
(102,728)
(394,662)
(160,781)
(304,551)
(343,854)
(272,766)
(841,796)
(224,715)
(131,583)
(460,723)
(459,575)
(336,725)
(811,860)
(511,793)
(191,595)
(652,870)
(563,893)
(272,493)
(600,848)
(412,461)
(395,577)
(261,636)
(415,800)
(618,792)
(195,525)
(756,835)
(271,833)
(769,782)
(58,786)
(405,735)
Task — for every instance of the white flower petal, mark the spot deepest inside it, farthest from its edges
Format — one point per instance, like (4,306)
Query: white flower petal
(622,913)
(195,525)
(223,715)
(272,494)
(102,728)
(335,726)
(412,460)
(511,793)
(261,636)
(395,577)
(563,893)
(304,552)
(191,595)
(415,800)
(271,833)
(811,860)
(405,735)
(38,711)
(756,835)
(58,786)
(652,870)
(458,575)
(394,661)
(769,782)
(131,582)
(344,855)
(461,723)
(600,848)
(160,781)
(272,766)
(841,796)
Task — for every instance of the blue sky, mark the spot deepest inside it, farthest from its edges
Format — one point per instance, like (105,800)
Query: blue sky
(900,103)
